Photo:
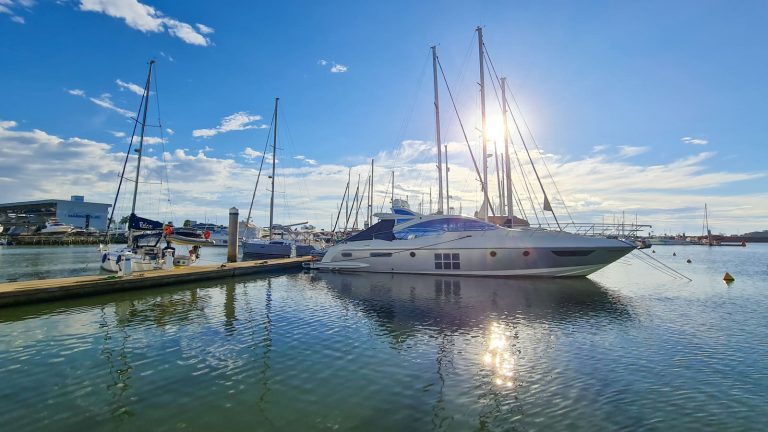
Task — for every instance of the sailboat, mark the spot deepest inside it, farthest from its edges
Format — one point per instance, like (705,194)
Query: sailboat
(272,247)
(445,244)
(143,251)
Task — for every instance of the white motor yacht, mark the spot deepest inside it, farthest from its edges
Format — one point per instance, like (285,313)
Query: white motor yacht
(460,245)
(54,227)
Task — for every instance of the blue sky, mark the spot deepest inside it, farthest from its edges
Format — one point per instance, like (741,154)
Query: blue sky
(651,108)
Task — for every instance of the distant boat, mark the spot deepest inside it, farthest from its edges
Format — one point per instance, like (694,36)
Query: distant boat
(219,235)
(670,240)
(54,227)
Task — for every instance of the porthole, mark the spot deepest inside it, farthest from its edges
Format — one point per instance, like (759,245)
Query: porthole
(412,254)
(493,253)
(526,253)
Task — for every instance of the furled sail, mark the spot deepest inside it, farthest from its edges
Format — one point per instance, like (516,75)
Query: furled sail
(143,224)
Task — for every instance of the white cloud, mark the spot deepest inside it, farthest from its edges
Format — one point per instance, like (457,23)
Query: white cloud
(335,67)
(145,19)
(250,153)
(630,151)
(154,140)
(118,134)
(694,141)
(105,101)
(305,159)
(238,121)
(170,131)
(666,195)
(204,29)
(8,7)
(170,59)
(130,86)
(599,148)
(338,68)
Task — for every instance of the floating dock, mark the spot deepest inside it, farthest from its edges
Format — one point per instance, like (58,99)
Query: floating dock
(36,291)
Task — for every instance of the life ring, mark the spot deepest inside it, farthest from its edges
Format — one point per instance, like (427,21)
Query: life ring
(207,234)
(168,230)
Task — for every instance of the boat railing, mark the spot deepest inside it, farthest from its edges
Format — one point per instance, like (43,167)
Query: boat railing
(602,229)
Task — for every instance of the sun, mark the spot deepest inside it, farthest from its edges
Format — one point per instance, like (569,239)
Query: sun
(494,128)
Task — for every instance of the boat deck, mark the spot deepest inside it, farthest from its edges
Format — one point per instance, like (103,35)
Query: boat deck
(35,291)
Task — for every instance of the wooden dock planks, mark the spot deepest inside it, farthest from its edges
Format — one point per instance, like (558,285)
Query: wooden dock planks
(34,291)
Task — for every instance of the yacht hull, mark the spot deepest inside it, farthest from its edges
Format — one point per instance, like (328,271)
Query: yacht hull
(540,253)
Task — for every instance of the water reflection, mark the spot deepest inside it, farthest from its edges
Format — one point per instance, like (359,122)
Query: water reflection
(404,303)
(490,330)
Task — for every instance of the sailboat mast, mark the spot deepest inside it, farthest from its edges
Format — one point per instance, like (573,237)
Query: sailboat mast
(370,197)
(437,135)
(482,112)
(393,188)
(140,150)
(274,155)
(447,195)
(498,175)
(507,166)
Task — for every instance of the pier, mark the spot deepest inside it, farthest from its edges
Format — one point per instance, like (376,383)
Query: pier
(36,291)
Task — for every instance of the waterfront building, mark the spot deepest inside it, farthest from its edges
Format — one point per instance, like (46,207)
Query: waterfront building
(76,212)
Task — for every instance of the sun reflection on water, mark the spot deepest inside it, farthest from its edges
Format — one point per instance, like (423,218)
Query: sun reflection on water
(498,355)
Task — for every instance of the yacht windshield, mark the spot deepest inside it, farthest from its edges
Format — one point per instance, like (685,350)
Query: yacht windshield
(438,226)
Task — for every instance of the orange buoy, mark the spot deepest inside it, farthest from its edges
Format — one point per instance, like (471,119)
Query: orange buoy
(728,277)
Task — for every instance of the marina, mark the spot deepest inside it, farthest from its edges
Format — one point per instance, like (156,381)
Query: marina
(400,352)
(394,216)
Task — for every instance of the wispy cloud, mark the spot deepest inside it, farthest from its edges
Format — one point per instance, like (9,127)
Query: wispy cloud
(76,92)
(668,195)
(238,121)
(338,68)
(204,29)
(105,101)
(305,159)
(250,153)
(146,18)
(117,134)
(599,148)
(630,151)
(163,54)
(154,140)
(130,86)
(170,131)
(694,141)
(335,67)
(9,8)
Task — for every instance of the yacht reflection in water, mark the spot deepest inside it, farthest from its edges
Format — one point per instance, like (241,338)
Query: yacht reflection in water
(501,310)
(453,303)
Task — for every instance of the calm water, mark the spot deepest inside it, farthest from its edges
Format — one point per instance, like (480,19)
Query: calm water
(627,348)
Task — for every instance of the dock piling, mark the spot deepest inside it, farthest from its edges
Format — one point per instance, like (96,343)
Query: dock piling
(234,216)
